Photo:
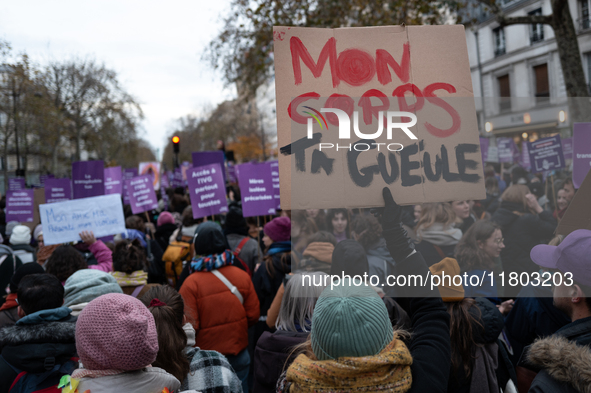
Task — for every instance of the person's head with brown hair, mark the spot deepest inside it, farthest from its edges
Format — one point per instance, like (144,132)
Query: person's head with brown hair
(64,261)
(516,194)
(432,213)
(461,331)
(187,217)
(167,307)
(366,230)
(135,222)
(491,184)
(479,246)
(129,256)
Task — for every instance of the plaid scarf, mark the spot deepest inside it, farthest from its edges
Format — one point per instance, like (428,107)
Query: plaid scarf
(211,262)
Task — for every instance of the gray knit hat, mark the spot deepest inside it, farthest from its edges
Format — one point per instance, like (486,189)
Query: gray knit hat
(350,321)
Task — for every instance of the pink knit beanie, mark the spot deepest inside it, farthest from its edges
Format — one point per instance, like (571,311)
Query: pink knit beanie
(165,218)
(279,229)
(116,332)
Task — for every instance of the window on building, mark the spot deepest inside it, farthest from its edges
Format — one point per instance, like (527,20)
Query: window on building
(584,15)
(504,93)
(542,84)
(536,33)
(499,41)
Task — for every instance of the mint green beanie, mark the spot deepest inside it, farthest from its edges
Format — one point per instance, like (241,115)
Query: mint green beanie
(350,321)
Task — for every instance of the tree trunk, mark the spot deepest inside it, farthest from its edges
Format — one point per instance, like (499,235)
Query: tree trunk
(570,61)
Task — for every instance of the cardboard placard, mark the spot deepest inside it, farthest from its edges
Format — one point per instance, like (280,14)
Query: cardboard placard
(581,152)
(363,71)
(16,184)
(151,169)
(142,196)
(20,206)
(127,174)
(58,190)
(201,158)
(546,154)
(63,221)
(88,178)
(578,214)
(256,189)
(207,190)
(113,180)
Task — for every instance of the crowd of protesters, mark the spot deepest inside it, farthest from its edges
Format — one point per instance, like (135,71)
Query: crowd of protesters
(221,304)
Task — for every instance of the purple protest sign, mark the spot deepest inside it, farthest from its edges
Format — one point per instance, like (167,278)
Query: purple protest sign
(231,173)
(164,182)
(113,180)
(524,157)
(256,187)
(581,152)
(20,205)
(58,190)
(546,154)
(177,178)
(44,178)
(16,184)
(567,148)
(507,150)
(208,190)
(484,142)
(142,196)
(275,178)
(127,174)
(201,158)
(88,178)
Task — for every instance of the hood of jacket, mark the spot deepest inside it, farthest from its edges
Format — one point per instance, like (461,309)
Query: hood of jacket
(150,379)
(563,360)
(380,250)
(32,347)
(440,235)
(320,251)
(491,321)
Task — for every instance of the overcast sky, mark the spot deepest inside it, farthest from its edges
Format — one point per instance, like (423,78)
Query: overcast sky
(155,47)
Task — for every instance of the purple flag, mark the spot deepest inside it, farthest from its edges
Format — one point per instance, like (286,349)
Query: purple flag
(524,157)
(581,152)
(88,178)
(208,190)
(256,187)
(16,184)
(546,154)
(127,174)
(201,158)
(142,196)
(113,180)
(58,190)
(275,177)
(567,148)
(20,205)
(507,149)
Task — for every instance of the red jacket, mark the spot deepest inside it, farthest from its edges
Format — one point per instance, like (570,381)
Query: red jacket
(221,323)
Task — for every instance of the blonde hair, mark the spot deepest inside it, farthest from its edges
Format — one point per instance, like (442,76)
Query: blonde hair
(432,213)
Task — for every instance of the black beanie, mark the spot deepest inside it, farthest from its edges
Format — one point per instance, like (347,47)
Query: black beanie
(209,239)
(235,221)
(24,270)
(350,258)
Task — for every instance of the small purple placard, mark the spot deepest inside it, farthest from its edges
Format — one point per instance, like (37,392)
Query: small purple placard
(16,184)
(567,148)
(20,205)
(546,154)
(208,190)
(88,179)
(581,152)
(201,158)
(275,177)
(256,188)
(113,180)
(127,174)
(142,196)
(58,190)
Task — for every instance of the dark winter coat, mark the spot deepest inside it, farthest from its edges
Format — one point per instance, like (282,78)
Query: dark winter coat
(266,283)
(272,357)
(432,255)
(564,360)
(381,264)
(8,317)
(163,234)
(8,266)
(521,233)
(486,330)
(33,347)
(533,316)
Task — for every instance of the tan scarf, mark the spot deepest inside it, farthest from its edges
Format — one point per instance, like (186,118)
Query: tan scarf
(139,277)
(320,251)
(388,371)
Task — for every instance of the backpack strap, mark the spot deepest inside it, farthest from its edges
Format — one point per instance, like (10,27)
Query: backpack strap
(439,251)
(19,376)
(237,251)
(240,245)
(230,286)
(137,291)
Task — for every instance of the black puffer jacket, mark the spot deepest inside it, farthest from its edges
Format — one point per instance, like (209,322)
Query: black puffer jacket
(35,347)
(522,231)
